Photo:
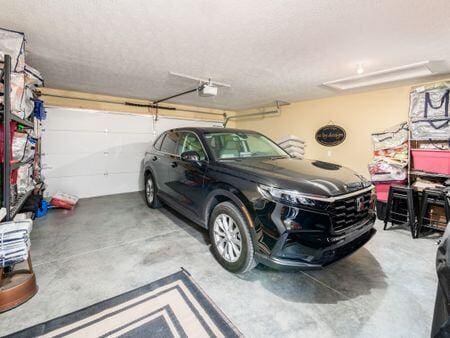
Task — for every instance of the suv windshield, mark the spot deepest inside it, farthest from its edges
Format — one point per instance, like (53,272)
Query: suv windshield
(228,145)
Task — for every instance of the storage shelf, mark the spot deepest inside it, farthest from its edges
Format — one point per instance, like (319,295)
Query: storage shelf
(23,122)
(427,174)
(21,200)
(26,123)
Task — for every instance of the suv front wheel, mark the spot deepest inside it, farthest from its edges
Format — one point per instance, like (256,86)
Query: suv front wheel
(230,237)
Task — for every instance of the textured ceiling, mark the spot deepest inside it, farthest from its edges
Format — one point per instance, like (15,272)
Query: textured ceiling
(265,49)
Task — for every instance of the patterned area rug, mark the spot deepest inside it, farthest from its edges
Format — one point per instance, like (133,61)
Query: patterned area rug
(173,306)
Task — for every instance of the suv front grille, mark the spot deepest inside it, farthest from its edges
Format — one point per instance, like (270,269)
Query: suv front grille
(347,212)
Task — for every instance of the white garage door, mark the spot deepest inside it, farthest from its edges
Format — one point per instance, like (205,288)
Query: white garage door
(92,153)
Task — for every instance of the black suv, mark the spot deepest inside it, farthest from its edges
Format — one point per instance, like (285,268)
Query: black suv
(259,204)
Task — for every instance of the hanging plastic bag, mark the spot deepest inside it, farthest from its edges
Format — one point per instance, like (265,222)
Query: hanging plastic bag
(13,44)
(426,129)
(382,170)
(23,147)
(398,154)
(21,96)
(429,104)
(391,137)
(24,179)
(33,77)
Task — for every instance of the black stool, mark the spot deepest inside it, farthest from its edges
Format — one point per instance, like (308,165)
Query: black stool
(398,213)
(432,197)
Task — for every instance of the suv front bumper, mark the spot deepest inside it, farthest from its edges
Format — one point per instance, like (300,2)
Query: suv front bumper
(302,257)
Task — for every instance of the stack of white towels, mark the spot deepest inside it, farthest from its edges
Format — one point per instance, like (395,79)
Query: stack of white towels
(14,242)
(293,145)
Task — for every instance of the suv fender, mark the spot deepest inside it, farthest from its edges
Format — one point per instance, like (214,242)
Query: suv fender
(228,193)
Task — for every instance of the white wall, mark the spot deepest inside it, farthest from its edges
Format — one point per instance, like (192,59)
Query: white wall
(92,153)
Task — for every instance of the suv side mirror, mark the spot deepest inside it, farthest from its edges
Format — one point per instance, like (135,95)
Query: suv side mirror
(190,156)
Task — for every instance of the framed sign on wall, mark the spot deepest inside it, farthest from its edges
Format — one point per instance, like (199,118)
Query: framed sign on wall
(330,135)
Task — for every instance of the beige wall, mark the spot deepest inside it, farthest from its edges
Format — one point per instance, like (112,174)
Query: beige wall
(359,114)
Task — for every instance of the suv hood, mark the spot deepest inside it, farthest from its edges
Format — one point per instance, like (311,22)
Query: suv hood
(306,176)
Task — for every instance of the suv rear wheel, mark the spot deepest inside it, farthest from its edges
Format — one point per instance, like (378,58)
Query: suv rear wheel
(151,190)
(230,237)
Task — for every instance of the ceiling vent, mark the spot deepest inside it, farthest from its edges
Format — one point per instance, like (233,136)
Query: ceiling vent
(412,71)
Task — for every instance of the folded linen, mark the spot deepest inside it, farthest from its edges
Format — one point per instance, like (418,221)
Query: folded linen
(14,241)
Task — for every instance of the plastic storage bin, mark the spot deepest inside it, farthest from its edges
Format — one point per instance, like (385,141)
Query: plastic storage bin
(431,160)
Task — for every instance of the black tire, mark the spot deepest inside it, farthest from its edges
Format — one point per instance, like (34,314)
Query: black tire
(152,201)
(246,260)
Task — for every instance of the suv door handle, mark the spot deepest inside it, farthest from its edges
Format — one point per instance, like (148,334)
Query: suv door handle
(154,158)
(174,164)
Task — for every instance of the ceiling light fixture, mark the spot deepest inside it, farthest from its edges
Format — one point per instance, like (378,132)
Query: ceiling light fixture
(360,69)
(411,71)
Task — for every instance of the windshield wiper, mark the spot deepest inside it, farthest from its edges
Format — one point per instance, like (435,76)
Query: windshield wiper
(278,156)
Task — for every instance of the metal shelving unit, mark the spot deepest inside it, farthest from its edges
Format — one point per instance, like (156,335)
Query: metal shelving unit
(414,174)
(17,282)
(427,174)
(8,166)
(24,123)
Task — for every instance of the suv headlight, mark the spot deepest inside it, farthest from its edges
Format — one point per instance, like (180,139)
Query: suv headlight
(291,197)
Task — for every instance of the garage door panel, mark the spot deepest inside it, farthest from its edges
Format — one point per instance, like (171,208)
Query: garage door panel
(165,123)
(136,148)
(139,140)
(75,119)
(91,153)
(73,142)
(126,162)
(94,185)
(128,123)
(125,182)
(63,165)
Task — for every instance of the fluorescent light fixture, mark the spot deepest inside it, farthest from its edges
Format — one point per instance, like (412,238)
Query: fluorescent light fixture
(412,71)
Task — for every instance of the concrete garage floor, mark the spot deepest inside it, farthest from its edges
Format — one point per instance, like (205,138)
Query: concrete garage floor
(112,244)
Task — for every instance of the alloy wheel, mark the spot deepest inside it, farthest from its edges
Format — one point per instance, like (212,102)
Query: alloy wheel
(227,238)
(149,190)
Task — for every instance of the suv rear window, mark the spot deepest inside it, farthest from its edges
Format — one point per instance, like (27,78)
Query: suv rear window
(169,143)
(157,144)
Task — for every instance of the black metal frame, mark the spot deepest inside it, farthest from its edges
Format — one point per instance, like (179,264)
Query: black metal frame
(6,137)
(432,197)
(11,210)
(418,204)
(176,95)
(405,194)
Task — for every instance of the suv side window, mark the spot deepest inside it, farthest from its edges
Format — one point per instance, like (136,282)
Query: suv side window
(169,143)
(188,142)
(158,142)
